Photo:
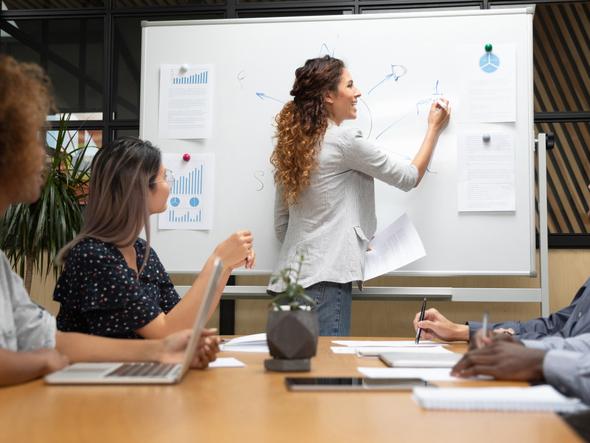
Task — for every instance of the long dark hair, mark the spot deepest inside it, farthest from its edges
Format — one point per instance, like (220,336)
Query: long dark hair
(122,174)
(302,123)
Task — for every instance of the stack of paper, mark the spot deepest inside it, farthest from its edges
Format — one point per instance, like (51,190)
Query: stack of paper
(247,343)
(536,398)
(429,374)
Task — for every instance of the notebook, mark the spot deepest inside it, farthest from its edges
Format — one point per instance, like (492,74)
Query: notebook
(419,359)
(534,398)
(142,372)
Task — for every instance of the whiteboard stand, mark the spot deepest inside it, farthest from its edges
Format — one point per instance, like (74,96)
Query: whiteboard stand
(531,295)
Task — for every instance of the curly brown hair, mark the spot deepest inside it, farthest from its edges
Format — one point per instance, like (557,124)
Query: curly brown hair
(25,101)
(302,123)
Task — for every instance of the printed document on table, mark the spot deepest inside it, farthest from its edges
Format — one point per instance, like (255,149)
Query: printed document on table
(429,374)
(185,101)
(486,175)
(190,203)
(374,351)
(386,343)
(489,79)
(397,245)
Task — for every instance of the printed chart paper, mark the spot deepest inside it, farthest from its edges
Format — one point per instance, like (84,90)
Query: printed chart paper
(185,101)
(190,204)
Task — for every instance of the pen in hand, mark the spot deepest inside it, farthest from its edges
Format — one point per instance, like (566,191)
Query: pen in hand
(422,310)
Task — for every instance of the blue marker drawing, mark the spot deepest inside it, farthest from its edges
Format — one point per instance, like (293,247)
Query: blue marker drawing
(370,116)
(258,176)
(194,202)
(489,63)
(324,50)
(428,101)
(397,71)
(262,96)
(392,125)
(241,77)
(436,92)
(174,201)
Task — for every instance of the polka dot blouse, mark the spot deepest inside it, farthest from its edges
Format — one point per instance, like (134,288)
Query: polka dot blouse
(100,295)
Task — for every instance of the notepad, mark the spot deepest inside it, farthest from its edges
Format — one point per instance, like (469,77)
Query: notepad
(419,359)
(535,398)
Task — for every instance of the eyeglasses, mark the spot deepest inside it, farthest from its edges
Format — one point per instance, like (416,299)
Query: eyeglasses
(168,177)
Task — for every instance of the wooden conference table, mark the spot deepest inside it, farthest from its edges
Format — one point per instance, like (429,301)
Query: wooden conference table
(248,404)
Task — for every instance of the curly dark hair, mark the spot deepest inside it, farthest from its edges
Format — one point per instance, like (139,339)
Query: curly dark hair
(25,101)
(302,123)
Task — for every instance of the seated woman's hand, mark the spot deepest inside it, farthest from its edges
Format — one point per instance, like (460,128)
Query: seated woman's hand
(437,326)
(52,359)
(236,250)
(174,346)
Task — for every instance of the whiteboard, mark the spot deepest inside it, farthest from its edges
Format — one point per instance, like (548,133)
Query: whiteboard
(254,62)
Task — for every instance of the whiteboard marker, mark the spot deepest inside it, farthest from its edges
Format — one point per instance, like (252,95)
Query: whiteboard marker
(442,104)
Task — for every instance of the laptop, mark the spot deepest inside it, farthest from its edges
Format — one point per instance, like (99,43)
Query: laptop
(142,372)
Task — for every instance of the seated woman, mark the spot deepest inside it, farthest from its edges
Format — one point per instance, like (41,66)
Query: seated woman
(113,283)
(30,345)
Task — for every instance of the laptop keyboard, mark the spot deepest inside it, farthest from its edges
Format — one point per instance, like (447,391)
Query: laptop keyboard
(142,370)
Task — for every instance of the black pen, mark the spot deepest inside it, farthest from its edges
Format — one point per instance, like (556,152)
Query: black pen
(422,310)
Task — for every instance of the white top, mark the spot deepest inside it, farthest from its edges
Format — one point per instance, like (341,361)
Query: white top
(24,326)
(334,218)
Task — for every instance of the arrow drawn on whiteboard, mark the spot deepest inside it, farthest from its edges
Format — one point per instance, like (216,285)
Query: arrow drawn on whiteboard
(392,125)
(397,72)
(258,176)
(324,50)
(262,96)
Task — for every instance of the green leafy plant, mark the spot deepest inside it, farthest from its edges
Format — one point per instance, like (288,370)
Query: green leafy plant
(31,235)
(294,295)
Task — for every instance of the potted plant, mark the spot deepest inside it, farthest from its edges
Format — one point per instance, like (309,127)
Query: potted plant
(31,235)
(292,328)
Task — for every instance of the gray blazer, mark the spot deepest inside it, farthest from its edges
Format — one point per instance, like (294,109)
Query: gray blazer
(566,365)
(334,218)
(568,322)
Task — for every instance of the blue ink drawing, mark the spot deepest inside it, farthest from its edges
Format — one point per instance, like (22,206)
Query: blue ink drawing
(397,72)
(489,63)
(324,50)
(174,201)
(263,96)
(194,202)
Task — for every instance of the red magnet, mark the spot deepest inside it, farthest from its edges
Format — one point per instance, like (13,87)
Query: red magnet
(186,157)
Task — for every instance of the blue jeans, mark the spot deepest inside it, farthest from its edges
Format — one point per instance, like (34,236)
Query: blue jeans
(334,302)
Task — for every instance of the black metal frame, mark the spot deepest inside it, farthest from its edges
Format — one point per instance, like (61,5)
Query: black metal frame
(237,8)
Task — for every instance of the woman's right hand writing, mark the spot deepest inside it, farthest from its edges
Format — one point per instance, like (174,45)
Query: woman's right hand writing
(439,115)
(236,250)
(437,326)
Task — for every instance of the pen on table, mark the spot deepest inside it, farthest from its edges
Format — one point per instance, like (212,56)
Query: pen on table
(422,310)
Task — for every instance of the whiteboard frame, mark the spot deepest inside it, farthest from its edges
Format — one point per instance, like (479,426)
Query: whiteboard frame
(397,15)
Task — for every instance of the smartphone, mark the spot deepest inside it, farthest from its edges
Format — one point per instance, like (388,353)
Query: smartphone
(353,384)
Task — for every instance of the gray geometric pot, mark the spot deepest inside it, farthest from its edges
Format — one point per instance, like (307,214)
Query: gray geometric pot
(292,334)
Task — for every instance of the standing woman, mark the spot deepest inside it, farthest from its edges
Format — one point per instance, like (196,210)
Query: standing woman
(113,283)
(325,203)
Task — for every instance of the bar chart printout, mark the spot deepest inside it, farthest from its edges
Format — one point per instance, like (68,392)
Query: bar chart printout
(190,204)
(185,101)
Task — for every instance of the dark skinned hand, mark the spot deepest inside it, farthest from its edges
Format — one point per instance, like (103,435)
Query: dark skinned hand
(503,358)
